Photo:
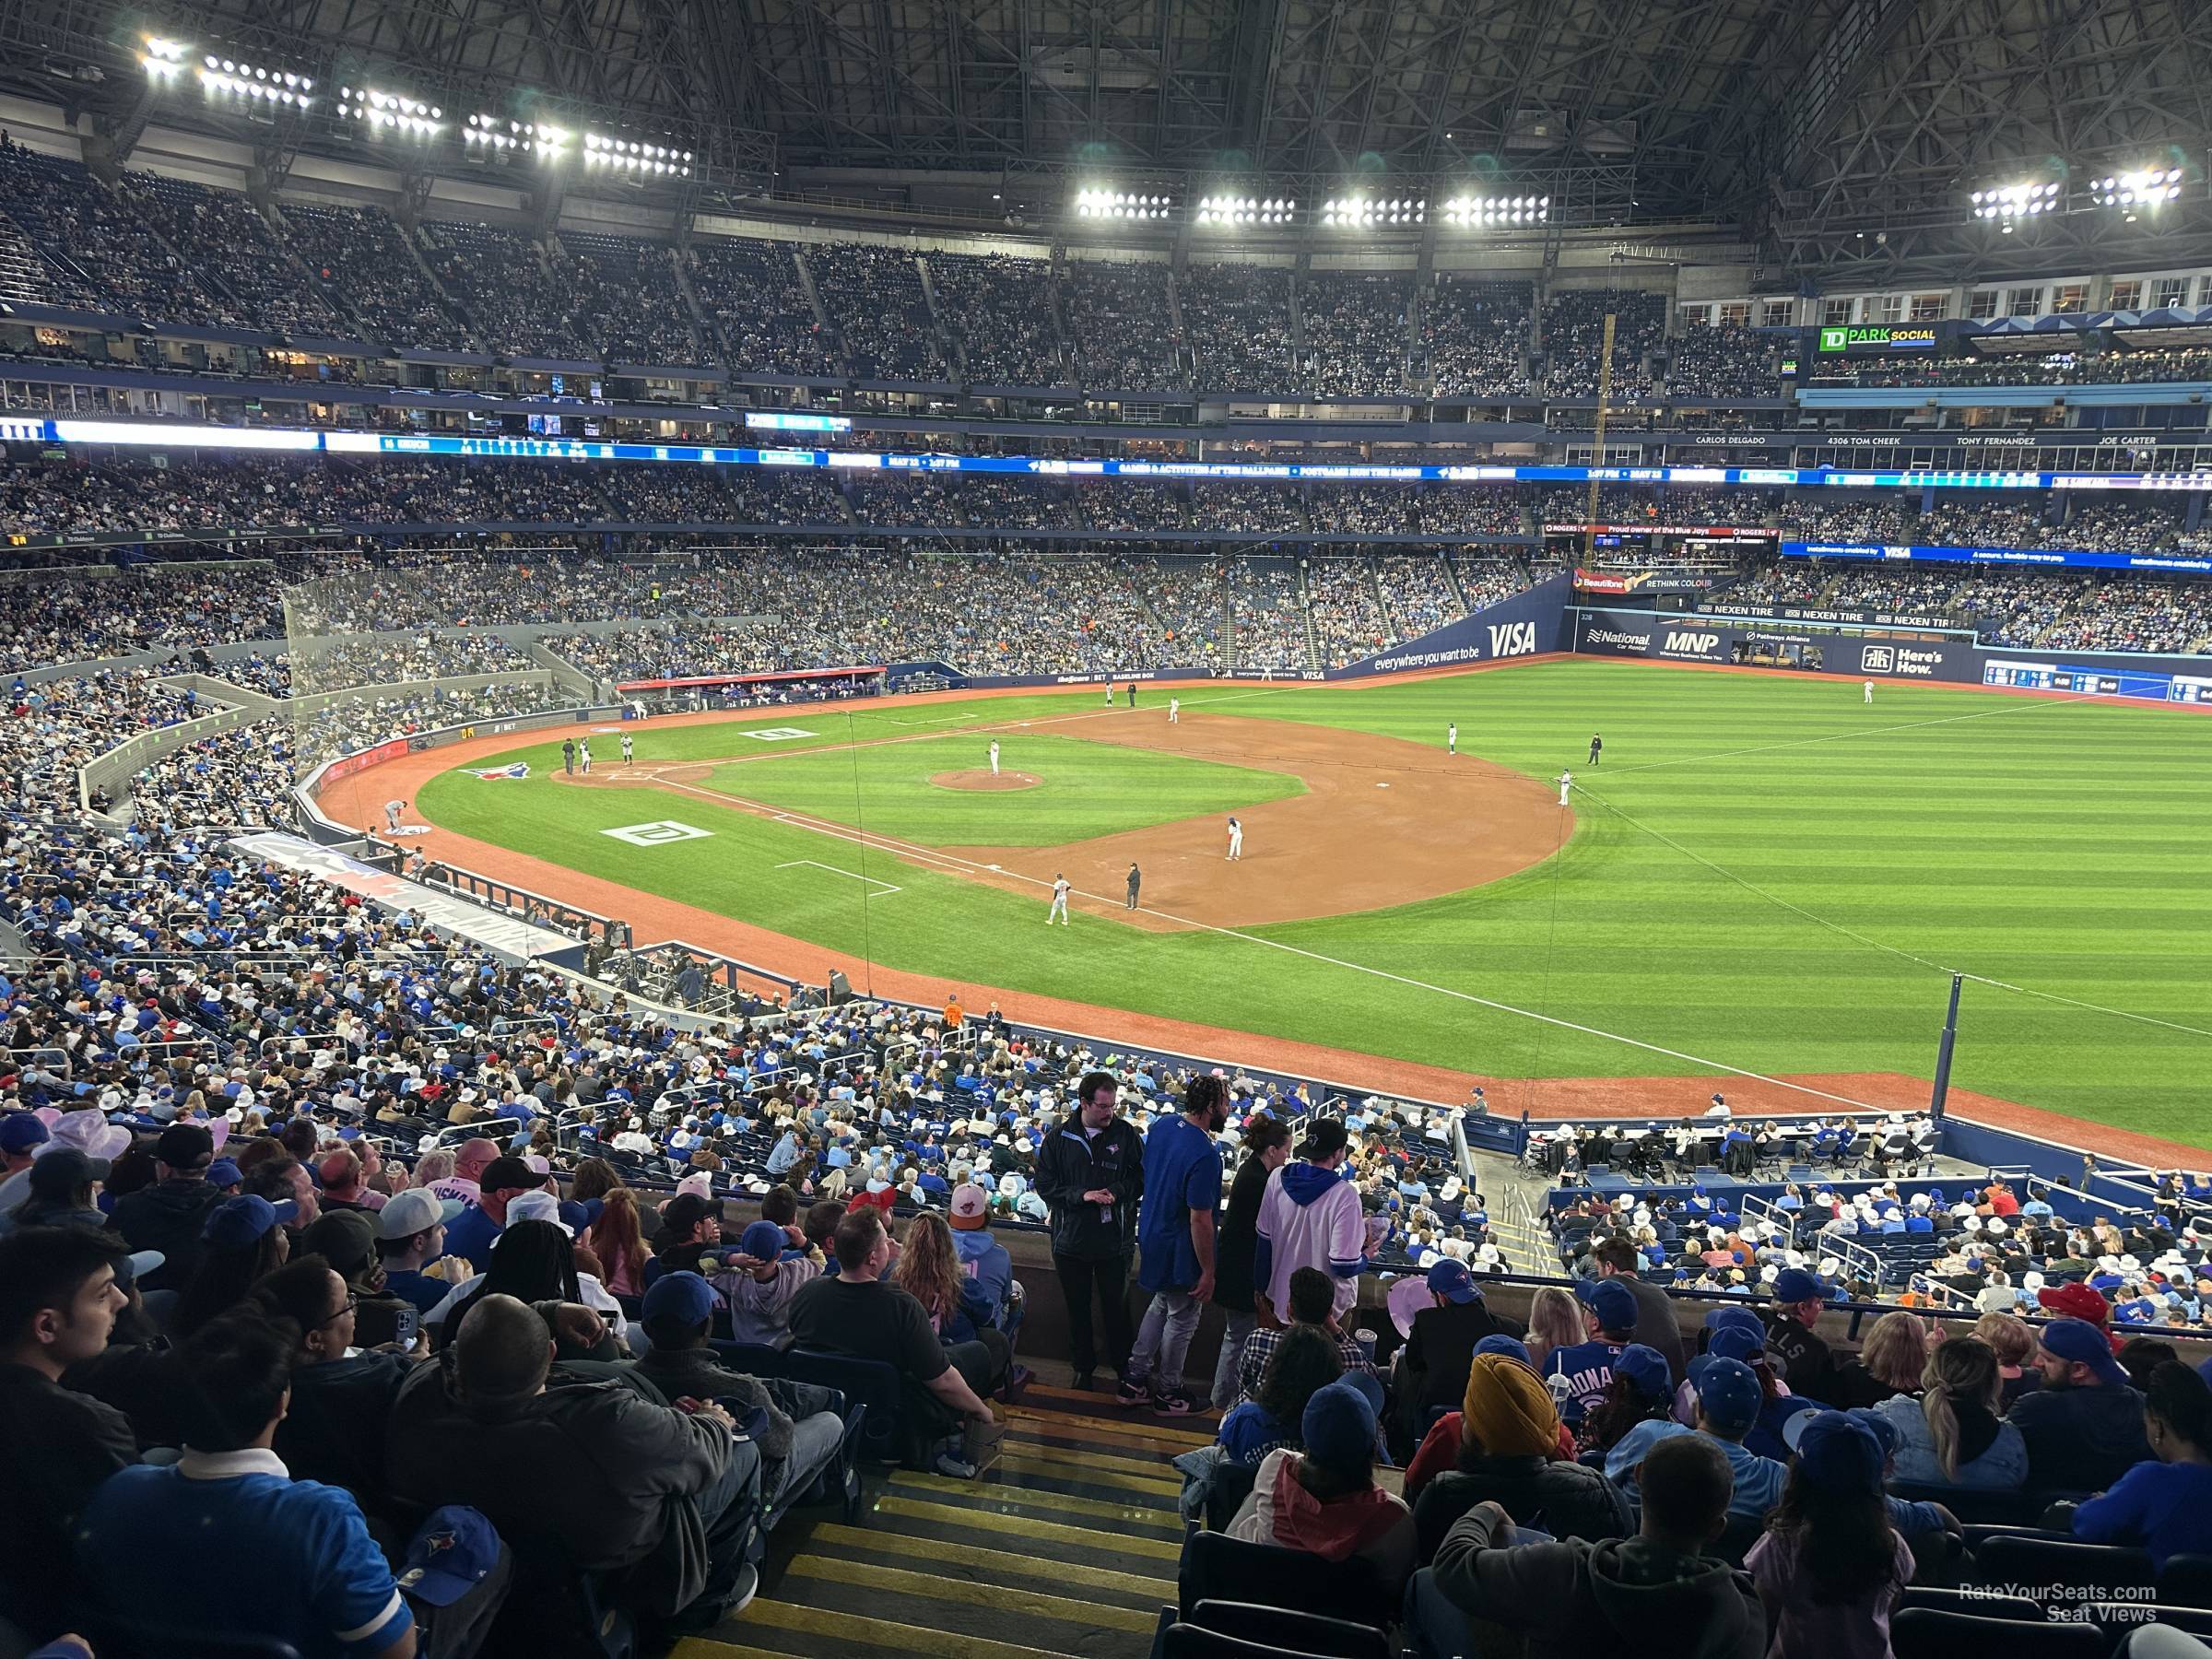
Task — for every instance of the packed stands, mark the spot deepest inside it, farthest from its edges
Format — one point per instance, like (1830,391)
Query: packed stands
(362,259)
(873,295)
(626,299)
(1121,324)
(1000,309)
(233,252)
(1574,329)
(516,300)
(1721,361)
(1354,326)
(1474,334)
(752,292)
(1237,319)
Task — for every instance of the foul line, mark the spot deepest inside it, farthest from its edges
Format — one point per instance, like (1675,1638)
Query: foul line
(927,854)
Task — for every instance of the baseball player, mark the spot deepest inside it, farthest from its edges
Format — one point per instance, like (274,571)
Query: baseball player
(584,756)
(392,810)
(1451,738)
(1566,782)
(568,756)
(1869,690)
(1174,711)
(1137,879)
(994,757)
(1236,839)
(1110,694)
(630,748)
(1059,903)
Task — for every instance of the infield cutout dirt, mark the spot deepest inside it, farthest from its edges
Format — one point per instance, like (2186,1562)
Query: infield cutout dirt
(1383,822)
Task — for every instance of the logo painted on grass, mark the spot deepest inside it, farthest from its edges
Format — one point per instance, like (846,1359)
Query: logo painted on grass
(658,833)
(777,733)
(495,774)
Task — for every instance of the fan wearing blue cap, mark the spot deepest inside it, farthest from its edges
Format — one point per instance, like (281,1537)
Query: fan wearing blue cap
(1831,1564)
(759,1280)
(2083,1425)
(1610,1314)
(1432,1370)
(1640,1392)
(1323,1501)
(1806,1364)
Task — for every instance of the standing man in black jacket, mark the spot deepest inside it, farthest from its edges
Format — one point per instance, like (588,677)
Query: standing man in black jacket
(1266,1147)
(1090,1171)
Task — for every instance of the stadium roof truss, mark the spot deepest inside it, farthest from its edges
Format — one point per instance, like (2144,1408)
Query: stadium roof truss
(1844,134)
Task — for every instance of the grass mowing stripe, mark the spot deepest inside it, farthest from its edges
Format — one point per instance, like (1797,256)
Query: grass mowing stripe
(953,1553)
(1007,1599)
(955,1516)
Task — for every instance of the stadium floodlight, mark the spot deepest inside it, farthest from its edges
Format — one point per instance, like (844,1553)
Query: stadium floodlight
(163,57)
(495,134)
(1364,213)
(1102,204)
(1482,213)
(2007,202)
(637,155)
(222,76)
(390,112)
(1216,212)
(2141,187)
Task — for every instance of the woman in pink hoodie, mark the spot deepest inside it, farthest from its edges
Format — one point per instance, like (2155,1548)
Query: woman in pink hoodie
(1323,1499)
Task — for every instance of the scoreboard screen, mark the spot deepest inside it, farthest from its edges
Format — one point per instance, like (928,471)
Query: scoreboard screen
(2099,682)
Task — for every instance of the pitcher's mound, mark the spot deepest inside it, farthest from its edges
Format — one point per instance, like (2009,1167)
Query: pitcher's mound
(985,780)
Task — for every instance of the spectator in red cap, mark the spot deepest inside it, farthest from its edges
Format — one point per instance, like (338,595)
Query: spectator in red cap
(2082,1302)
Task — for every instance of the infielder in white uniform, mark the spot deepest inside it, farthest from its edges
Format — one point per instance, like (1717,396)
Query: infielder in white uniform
(393,810)
(1110,694)
(1174,711)
(994,757)
(583,755)
(1236,839)
(1869,690)
(1059,903)
(630,749)
(1566,778)
(1451,738)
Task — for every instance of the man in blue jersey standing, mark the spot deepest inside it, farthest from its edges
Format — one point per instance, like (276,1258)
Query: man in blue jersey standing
(1175,1243)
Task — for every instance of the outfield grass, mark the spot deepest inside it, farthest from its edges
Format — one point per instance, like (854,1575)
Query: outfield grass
(1765,872)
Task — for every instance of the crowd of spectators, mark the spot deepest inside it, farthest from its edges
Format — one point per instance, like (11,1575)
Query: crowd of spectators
(150,606)
(1267,614)
(751,291)
(1418,593)
(362,257)
(1574,324)
(517,302)
(1237,319)
(1122,326)
(233,252)
(1349,619)
(1001,312)
(2094,368)
(1354,327)
(1721,361)
(873,295)
(97,250)
(1246,509)
(627,303)
(1474,334)
(1380,510)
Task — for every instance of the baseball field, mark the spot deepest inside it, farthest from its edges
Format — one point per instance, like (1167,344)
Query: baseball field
(1764,875)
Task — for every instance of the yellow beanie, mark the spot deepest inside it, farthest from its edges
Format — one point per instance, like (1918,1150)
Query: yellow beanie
(1507,1409)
